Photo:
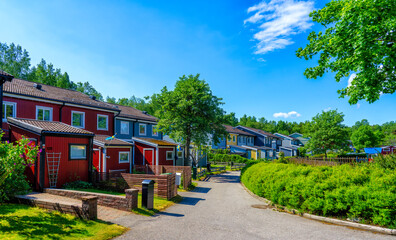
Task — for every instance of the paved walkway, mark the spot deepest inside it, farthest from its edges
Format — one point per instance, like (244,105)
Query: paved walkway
(221,209)
(104,213)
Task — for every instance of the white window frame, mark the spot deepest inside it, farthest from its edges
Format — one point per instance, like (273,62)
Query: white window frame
(121,132)
(145,129)
(152,130)
(173,155)
(86,152)
(119,157)
(182,154)
(4,109)
(44,108)
(107,122)
(83,119)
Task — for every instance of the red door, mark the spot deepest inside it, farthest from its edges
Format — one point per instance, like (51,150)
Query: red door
(148,156)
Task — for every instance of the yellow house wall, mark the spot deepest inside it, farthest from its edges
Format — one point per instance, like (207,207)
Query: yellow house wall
(253,155)
(230,139)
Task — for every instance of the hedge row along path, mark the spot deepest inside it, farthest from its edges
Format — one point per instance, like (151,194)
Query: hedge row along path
(221,209)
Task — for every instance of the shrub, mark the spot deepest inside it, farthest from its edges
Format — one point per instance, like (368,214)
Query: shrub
(386,161)
(227,158)
(14,158)
(77,185)
(366,192)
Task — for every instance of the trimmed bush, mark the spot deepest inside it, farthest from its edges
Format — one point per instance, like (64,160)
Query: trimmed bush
(365,192)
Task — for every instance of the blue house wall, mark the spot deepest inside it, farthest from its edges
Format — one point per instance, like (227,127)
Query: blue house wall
(134,130)
(221,145)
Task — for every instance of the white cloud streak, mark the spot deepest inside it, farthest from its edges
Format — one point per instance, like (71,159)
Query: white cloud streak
(278,20)
(292,114)
(353,75)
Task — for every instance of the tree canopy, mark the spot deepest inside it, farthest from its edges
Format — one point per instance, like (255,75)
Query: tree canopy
(359,39)
(328,132)
(190,113)
(363,137)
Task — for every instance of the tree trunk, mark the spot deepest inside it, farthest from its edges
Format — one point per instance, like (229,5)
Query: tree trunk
(188,141)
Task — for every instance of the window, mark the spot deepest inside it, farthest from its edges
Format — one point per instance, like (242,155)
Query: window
(44,113)
(142,129)
(169,155)
(103,123)
(9,110)
(123,157)
(78,119)
(180,154)
(124,127)
(154,128)
(233,138)
(77,152)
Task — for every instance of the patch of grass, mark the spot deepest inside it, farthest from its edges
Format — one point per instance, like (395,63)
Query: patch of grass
(160,203)
(24,222)
(192,186)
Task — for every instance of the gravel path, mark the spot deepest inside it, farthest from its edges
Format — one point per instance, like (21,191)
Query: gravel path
(221,209)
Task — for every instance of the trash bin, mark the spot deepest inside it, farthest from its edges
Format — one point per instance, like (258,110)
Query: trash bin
(194,172)
(148,194)
(208,167)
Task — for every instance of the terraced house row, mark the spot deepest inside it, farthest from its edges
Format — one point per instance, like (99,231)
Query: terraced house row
(255,143)
(78,134)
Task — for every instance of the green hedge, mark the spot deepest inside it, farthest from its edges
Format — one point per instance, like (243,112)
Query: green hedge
(227,158)
(366,192)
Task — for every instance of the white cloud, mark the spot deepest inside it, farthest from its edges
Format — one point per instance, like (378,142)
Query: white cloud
(292,114)
(327,109)
(357,105)
(278,20)
(261,60)
(353,75)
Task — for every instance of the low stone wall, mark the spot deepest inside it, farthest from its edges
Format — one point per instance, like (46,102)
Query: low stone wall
(127,203)
(87,210)
(164,186)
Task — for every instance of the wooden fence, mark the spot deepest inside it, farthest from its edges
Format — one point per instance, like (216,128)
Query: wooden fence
(328,162)
(165,185)
(157,170)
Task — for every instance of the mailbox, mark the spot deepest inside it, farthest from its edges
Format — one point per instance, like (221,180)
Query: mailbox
(178,179)
(148,194)
(208,166)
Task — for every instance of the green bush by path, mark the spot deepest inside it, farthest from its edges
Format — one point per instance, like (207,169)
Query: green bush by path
(365,192)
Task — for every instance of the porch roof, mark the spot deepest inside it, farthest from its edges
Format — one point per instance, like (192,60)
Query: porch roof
(154,142)
(47,127)
(100,140)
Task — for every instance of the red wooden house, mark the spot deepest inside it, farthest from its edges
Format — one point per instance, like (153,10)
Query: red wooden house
(66,151)
(154,152)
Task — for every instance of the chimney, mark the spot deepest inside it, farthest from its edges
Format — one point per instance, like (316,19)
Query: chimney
(92,97)
(38,86)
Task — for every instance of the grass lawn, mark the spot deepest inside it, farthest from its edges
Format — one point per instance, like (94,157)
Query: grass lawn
(24,222)
(160,204)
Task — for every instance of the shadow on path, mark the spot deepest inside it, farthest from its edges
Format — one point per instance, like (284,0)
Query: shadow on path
(224,178)
(191,201)
(201,190)
(170,214)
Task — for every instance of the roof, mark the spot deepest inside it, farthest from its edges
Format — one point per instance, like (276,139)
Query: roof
(101,140)
(131,112)
(42,127)
(290,147)
(231,129)
(154,142)
(27,88)
(5,76)
(285,136)
(251,147)
(296,134)
(261,132)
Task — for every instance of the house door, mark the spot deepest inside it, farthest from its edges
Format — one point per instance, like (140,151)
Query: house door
(148,156)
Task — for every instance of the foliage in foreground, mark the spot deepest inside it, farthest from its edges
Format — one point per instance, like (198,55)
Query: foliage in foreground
(365,192)
(14,158)
(24,222)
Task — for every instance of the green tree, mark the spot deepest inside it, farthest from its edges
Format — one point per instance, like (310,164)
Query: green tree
(88,89)
(14,60)
(230,119)
(46,74)
(327,132)
(363,137)
(359,38)
(190,113)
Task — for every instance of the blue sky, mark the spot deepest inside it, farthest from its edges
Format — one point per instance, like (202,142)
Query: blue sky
(245,50)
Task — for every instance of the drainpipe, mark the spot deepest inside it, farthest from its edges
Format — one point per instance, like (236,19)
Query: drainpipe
(157,155)
(114,121)
(90,160)
(132,161)
(60,112)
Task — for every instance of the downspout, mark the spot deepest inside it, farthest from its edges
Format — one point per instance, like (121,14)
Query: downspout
(60,112)
(90,160)
(130,160)
(42,163)
(157,155)
(133,155)
(114,122)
